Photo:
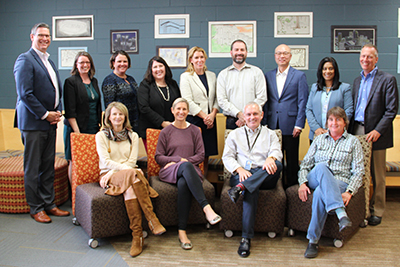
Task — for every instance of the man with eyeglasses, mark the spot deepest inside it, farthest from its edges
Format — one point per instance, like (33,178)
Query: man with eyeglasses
(287,93)
(37,112)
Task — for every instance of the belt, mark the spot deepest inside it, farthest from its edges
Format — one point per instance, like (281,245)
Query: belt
(360,123)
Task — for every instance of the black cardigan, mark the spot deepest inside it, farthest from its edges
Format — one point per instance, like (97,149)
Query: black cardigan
(76,101)
(152,106)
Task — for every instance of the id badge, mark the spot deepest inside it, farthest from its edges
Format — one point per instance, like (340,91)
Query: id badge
(248,165)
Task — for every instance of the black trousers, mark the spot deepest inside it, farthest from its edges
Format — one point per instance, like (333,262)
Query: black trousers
(39,154)
(189,183)
(290,149)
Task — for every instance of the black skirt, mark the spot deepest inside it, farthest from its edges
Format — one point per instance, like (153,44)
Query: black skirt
(209,135)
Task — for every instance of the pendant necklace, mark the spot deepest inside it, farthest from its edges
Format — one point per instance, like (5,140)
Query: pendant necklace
(166,99)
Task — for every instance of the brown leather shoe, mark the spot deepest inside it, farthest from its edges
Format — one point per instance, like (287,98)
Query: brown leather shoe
(41,217)
(57,212)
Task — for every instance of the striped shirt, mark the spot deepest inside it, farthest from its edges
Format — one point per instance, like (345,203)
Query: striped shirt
(344,157)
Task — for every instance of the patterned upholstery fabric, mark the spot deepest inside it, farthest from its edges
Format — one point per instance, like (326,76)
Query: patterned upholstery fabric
(165,205)
(12,189)
(393,166)
(270,216)
(85,161)
(299,213)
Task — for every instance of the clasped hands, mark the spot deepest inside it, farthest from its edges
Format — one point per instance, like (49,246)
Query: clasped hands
(54,117)
(269,166)
(304,191)
(106,178)
(173,162)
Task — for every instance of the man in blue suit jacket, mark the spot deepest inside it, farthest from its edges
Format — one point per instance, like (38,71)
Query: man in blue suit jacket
(376,100)
(287,94)
(37,112)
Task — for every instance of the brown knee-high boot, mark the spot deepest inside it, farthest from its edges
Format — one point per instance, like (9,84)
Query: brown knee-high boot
(142,194)
(135,217)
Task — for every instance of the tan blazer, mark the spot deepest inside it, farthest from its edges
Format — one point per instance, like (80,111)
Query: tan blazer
(193,90)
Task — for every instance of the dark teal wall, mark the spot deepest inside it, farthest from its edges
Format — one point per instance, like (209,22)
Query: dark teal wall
(18,16)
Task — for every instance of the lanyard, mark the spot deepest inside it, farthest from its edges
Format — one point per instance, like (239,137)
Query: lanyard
(248,141)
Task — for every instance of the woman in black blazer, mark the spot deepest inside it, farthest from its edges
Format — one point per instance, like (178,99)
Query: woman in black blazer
(156,94)
(81,101)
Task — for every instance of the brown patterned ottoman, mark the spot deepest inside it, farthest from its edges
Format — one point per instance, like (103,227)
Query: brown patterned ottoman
(12,190)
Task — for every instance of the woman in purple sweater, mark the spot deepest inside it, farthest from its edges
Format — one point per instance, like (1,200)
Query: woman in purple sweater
(179,151)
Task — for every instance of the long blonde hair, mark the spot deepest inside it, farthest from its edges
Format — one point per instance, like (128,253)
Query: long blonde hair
(121,107)
(191,52)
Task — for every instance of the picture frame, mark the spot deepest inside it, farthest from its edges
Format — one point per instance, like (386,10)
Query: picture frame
(67,28)
(293,24)
(66,56)
(351,38)
(398,59)
(127,40)
(221,34)
(172,26)
(300,57)
(175,56)
(398,24)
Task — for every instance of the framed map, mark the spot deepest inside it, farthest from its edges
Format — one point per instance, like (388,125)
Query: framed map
(175,56)
(299,57)
(293,24)
(172,26)
(221,34)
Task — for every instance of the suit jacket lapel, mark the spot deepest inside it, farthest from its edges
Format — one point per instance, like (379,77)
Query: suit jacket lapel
(374,86)
(196,80)
(39,60)
(288,79)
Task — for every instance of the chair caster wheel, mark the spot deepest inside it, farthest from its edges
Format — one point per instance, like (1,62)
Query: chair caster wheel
(291,233)
(271,234)
(228,233)
(75,221)
(338,243)
(93,243)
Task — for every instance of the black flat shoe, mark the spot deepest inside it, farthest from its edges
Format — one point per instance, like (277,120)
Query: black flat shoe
(344,223)
(234,193)
(374,220)
(311,251)
(244,247)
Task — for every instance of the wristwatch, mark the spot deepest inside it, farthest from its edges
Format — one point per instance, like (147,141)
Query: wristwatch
(272,157)
(350,192)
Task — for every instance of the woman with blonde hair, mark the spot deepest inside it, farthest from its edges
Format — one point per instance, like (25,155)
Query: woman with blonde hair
(117,146)
(198,87)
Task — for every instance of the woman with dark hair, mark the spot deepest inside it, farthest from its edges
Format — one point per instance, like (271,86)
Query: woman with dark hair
(81,102)
(179,152)
(333,168)
(156,94)
(328,92)
(117,146)
(118,86)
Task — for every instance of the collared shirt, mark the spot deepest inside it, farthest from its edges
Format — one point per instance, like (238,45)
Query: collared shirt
(236,88)
(237,151)
(45,59)
(281,79)
(344,157)
(363,93)
(325,97)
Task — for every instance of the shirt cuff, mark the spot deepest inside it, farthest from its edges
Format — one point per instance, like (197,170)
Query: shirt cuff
(45,115)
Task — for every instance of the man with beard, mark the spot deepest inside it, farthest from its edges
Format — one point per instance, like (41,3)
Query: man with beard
(238,85)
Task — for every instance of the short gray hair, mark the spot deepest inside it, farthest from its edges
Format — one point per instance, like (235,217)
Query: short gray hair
(39,25)
(180,100)
(252,103)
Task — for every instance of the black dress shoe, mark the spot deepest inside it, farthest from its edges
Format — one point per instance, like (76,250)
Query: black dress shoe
(374,220)
(244,247)
(234,193)
(344,223)
(311,251)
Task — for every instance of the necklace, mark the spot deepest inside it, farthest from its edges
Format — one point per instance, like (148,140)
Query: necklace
(166,99)
(89,87)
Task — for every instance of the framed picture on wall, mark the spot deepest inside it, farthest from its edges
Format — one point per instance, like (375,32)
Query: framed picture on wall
(299,57)
(127,40)
(398,60)
(293,24)
(172,26)
(350,39)
(221,34)
(67,28)
(175,56)
(66,56)
(398,24)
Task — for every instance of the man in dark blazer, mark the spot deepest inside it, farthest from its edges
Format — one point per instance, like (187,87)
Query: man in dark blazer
(375,99)
(287,94)
(37,112)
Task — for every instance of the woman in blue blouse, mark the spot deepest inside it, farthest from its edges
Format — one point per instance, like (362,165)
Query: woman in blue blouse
(327,93)
(120,87)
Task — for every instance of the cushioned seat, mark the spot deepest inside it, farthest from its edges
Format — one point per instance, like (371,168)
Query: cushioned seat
(270,216)
(299,213)
(165,206)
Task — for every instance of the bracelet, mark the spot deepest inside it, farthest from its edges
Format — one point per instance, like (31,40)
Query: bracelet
(272,157)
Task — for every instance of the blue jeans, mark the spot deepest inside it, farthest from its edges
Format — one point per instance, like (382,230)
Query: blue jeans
(259,180)
(327,197)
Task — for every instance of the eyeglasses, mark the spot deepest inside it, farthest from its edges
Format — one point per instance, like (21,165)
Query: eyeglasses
(84,62)
(41,36)
(282,53)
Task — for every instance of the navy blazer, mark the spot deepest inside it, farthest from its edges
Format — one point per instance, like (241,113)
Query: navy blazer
(290,108)
(36,92)
(381,109)
(340,97)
